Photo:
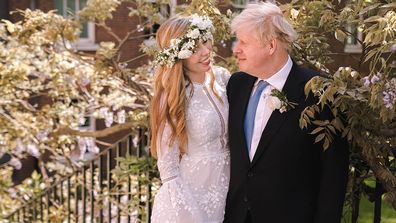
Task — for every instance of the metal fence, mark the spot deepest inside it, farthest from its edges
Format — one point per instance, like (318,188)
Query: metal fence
(92,194)
(374,194)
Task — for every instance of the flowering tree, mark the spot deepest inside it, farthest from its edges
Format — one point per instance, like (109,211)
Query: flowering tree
(48,89)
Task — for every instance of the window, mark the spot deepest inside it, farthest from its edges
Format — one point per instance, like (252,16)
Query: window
(240,4)
(88,123)
(68,8)
(33,4)
(166,11)
(354,35)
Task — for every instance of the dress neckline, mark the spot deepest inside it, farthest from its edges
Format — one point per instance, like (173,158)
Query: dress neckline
(198,84)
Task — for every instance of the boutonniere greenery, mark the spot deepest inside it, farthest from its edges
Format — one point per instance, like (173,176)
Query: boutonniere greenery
(278,100)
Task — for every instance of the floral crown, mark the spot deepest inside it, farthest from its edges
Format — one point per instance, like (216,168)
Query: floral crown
(200,28)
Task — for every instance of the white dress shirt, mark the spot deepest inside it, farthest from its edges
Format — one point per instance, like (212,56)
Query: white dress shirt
(264,111)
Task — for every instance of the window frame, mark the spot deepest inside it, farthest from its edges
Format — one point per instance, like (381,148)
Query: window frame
(243,3)
(84,43)
(91,126)
(353,47)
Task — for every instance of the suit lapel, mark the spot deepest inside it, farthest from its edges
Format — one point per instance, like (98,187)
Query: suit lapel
(246,89)
(293,91)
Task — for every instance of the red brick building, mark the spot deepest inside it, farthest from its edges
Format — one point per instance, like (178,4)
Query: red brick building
(122,23)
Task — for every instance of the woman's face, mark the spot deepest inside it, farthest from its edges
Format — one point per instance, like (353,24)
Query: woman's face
(199,62)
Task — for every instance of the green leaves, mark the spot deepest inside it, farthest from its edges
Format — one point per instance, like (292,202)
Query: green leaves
(340,35)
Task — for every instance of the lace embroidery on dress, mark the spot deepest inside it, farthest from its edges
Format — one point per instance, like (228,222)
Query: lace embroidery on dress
(195,186)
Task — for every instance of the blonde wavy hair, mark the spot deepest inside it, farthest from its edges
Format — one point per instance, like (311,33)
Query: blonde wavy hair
(168,105)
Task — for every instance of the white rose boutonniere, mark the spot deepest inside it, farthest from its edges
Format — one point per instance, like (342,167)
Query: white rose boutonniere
(278,100)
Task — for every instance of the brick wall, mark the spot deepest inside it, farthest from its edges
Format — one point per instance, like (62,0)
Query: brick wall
(43,5)
(121,24)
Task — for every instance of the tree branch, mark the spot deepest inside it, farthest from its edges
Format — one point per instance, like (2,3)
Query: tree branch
(388,132)
(383,174)
(109,31)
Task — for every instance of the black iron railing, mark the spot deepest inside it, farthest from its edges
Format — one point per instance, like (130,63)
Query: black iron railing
(93,194)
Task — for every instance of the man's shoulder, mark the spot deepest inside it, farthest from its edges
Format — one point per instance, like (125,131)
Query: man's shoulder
(239,76)
(304,73)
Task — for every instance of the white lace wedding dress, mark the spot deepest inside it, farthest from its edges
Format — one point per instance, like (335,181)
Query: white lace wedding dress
(194,186)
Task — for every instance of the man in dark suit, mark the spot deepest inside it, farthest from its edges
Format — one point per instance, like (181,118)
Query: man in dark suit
(278,173)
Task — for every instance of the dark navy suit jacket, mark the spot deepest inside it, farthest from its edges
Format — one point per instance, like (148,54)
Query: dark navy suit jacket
(291,179)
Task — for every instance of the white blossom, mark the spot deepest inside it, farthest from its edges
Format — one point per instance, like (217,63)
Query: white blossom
(19,148)
(66,65)
(33,150)
(81,120)
(393,48)
(135,141)
(69,79)
(103,111)
(42,186)
(16,163)
(82,145)
(42,135)
(354,74)
(121,116)
(84,81)
(91,145)
(108,119)
(12,192)
(139,28)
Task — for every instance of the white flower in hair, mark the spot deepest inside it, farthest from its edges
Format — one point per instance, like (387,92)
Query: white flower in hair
(193,34)
(208,36)
(184,54)
(173,43)
(200,29)
(190,45)
(200,21)
(195,19)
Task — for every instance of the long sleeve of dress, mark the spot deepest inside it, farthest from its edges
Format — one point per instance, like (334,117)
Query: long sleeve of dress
(194,185)
(174,201)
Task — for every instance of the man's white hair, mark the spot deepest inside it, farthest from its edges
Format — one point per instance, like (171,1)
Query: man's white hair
(265,20)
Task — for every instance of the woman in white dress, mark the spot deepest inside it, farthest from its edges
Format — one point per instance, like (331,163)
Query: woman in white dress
(189,115)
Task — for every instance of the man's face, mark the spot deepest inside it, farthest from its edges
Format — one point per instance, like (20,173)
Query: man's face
(252,55)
